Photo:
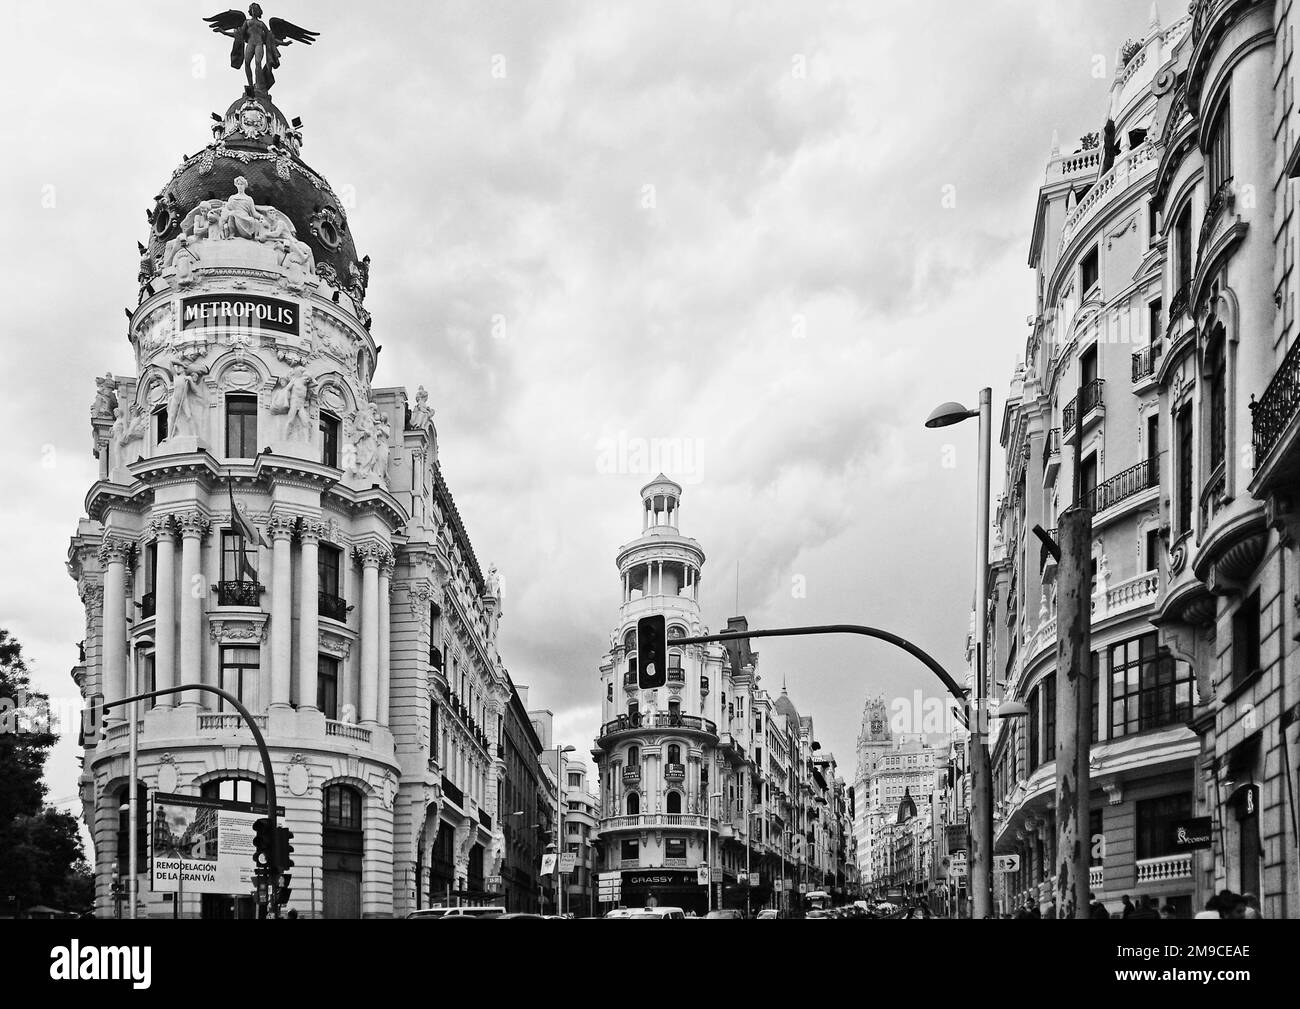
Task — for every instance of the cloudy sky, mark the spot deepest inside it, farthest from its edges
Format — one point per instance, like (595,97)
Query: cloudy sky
(766,237)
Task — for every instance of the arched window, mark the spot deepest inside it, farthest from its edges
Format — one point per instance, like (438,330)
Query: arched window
(674,753)
(633,756)
(629,640)
(633,804)
(234,790)
(676,631)
(674,800)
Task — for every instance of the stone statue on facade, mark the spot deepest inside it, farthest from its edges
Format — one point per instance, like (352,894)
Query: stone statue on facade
(185,392)
(362,451)
(293,398)
(105,397)
(421,413)
(130,423)
(257,43)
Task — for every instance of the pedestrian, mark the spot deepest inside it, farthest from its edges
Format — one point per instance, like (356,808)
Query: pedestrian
(293,913)
(1096,909)
(1211,908)
(1167,912)
(1250,907)
(1146,908)
(1128,908)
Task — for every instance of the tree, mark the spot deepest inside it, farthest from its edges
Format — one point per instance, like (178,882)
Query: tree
(41,856)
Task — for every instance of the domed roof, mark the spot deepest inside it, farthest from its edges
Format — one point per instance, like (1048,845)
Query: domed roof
(787,708)
(256,141)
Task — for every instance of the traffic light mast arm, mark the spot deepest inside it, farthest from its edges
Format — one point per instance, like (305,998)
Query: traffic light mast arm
(267,771)
(960,693)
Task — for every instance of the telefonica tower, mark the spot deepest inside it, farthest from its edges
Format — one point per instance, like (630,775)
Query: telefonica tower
(269,521)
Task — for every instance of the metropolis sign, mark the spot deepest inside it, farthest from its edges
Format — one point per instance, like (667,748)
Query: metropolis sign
(246,310)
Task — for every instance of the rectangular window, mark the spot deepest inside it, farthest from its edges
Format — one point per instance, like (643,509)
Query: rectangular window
(329,440)
(1153,440)
(433,729)
(1245,639)
(327,569)
(1218,154)
(631,849)
(1186,448)
(1089,271)
(1034,715)
(1183,245)
(151,568)
(1152,549)
(327,686)
(1088,479)
(1153,223)
(238,558)
(148,676)
(1155,324)
(575,780)
(241,675)
(160,425)
(1218,415)
(1088,365)
(1155,822)
(1149,688)
(241,426)
(1049,717)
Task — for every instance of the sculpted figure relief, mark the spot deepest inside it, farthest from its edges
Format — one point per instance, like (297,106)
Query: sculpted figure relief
(105,397)
(293,398)
(131,422)
(185,394)
(367,453)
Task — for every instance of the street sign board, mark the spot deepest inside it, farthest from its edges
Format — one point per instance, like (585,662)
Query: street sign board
(609,877)
(1006,863)
(958,837)
(1192,833)
(753,879)
(548,863)
(717,875)
(200,845)
(568,861)
(493,883)
(958,866)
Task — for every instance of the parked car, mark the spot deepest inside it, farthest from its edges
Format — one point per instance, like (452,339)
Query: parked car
(519,914)
(477,911)
(658,912)
(620,912)
(726,912)
(769,914)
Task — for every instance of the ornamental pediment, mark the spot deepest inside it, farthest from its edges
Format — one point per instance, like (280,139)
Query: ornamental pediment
(245,628)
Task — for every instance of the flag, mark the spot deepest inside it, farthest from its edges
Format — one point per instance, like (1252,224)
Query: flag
(247,531)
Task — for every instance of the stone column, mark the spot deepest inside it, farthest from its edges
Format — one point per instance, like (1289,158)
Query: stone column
(164,593)
(310,531)
(370,555)
(280,527)
(193,526)
(385,631)
(114,552)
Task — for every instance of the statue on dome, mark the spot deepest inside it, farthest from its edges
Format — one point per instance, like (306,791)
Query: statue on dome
(129,424)
(105,397)
(257,43)
(239,215)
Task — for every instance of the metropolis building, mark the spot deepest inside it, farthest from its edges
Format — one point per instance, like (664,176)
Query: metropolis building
(345,605)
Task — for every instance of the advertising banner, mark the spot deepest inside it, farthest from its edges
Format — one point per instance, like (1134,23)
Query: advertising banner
(201,845)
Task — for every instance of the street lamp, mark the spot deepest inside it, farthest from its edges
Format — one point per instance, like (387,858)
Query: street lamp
(560,751)
(981,846)
(708,850)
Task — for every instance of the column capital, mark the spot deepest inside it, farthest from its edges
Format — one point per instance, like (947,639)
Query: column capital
(281,524)
(115,548)
(386,567)
(162,526)
(192,523)
(372,553)
(311,530)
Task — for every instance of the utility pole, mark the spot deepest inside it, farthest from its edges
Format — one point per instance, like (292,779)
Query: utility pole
(1074,693)
(981,834)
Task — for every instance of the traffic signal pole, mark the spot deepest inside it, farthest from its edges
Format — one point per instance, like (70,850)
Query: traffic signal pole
(267,770)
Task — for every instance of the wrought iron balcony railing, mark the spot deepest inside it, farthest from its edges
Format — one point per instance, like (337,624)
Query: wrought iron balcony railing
(242,593)
(1051,445)
(334,607)
(1270,415)
(676,674)
(1091,393)
(1144,362)
(1123,485)
(450,791)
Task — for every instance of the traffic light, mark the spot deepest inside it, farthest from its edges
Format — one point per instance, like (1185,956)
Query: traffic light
(263,846)
(282,891)
(283,849)
(652,651)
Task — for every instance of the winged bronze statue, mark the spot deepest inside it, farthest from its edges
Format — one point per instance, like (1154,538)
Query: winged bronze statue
(257,42)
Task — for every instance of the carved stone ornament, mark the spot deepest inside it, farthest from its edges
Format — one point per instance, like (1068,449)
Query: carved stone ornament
(115,549)
(298,777)
(251,120)
(245,628)
(192,523)
(372,553)
(312,530)
(168,776)
(335,644)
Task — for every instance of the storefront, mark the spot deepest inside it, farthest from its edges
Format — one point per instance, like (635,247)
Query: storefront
(664,888)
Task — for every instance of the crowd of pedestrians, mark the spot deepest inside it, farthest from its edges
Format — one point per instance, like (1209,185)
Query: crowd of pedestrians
(1224,904)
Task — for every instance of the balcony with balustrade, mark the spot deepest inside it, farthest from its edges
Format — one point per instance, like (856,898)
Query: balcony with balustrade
(689,725)
(1275,428)
(1124,492)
